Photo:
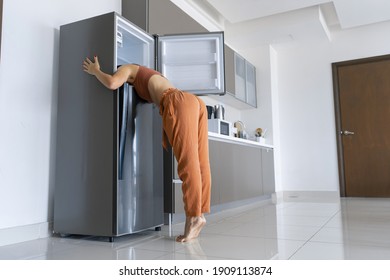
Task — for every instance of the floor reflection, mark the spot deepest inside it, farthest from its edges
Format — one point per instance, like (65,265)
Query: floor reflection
(343,229)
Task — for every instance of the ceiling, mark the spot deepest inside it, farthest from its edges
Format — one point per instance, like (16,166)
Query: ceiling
(248,23)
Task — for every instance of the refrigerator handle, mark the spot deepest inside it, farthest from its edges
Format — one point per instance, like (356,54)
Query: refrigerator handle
(123,94)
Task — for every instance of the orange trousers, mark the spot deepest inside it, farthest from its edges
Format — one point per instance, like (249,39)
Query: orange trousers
(185,125)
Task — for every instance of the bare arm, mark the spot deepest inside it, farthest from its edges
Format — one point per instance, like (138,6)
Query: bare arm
(110,81)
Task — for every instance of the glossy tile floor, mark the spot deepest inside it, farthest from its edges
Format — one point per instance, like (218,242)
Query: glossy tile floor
(346,229)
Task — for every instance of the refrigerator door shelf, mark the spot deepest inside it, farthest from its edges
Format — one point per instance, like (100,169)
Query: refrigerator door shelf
(193,62)
(133,45)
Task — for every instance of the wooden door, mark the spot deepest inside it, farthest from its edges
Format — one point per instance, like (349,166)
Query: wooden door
(362,100)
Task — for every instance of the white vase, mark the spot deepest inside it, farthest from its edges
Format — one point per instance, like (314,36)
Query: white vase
(260,139)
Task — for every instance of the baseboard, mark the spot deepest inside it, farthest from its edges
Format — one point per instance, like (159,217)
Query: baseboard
(238,205)
(310,196)
(24,233)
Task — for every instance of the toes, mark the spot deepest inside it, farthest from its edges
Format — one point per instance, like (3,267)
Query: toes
(192,229)
(180,238)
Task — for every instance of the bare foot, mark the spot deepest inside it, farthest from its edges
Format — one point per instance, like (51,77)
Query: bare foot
(192,228)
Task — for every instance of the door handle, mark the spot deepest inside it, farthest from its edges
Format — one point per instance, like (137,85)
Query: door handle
(346,132)
(123,93)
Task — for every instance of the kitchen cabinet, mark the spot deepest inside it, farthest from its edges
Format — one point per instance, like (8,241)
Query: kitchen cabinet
(217,171)
(245,77)
(160,17)
(137,11)
(240,170)
(240,77)
(236,172)
(230,72)
(268,171)
(250,82)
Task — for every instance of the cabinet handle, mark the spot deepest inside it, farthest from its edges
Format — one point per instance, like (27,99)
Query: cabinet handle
(346,132)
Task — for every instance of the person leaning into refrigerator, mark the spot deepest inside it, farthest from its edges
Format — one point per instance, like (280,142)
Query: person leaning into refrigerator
(184,118)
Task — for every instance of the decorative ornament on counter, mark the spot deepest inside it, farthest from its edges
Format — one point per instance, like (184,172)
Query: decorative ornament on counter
(260,135)
(241,133)
(258,132)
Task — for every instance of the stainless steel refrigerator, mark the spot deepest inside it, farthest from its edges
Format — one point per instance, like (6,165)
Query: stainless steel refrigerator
(109,158)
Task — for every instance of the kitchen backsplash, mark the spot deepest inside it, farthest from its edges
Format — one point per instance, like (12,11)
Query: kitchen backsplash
(231,113)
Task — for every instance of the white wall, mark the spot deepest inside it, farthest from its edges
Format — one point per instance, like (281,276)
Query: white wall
(28,95)
(295,102)
(308,152)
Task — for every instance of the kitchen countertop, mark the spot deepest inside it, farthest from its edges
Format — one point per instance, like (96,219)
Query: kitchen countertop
(235,140)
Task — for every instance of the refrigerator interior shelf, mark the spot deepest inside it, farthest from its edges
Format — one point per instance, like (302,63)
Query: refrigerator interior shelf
(185,63)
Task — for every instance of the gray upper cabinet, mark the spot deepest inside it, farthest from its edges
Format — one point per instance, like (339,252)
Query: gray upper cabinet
(137,11)
(230,71)
(166,18)
(160,17)
(250,84)
(240,76)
